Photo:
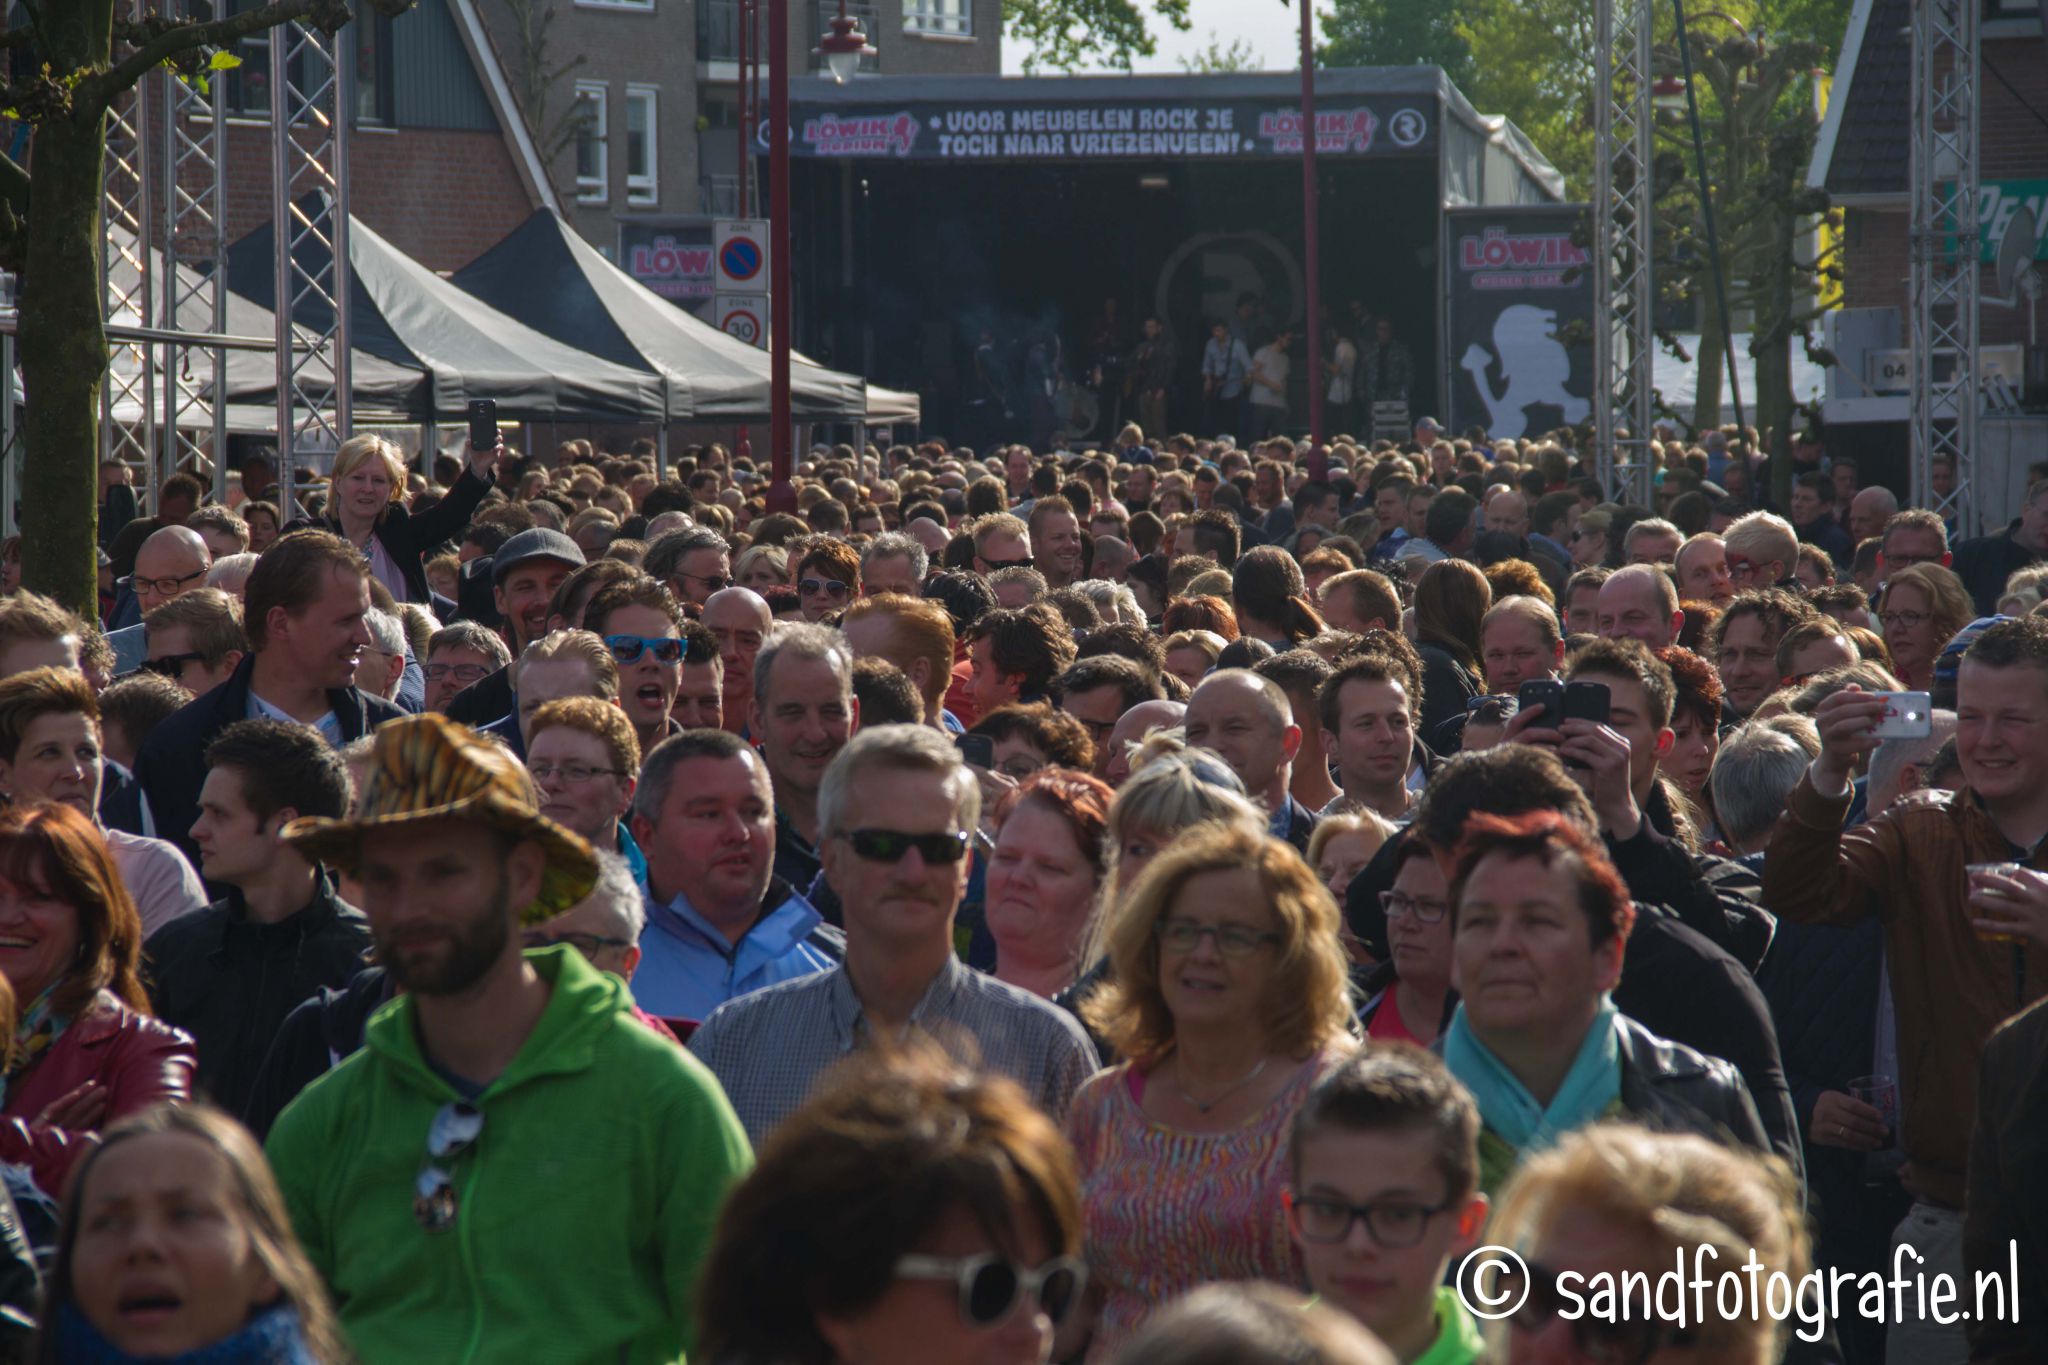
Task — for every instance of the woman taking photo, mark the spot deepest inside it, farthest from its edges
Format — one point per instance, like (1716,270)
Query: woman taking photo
(1228,993)
(1451,599)
(85,1050)
(50,750)
(1045,878)
(366,507)
(911,1211)
(1921,609)
(1696,727)
(176,1246)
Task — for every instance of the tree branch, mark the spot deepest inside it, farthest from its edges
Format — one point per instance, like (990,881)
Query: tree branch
(179,39)
(13,212)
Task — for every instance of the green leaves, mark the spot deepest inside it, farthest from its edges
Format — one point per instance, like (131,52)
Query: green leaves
(1063,35)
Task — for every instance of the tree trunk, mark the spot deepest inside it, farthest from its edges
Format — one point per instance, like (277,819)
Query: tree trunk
(1711,360)
(1773,351)
(63,360)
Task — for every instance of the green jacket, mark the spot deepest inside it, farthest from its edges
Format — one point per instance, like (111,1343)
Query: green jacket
(586,1205)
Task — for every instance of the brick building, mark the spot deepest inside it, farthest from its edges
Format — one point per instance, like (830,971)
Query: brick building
(1861,160)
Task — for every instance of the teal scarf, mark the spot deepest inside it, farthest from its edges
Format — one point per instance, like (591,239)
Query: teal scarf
(1590,1087)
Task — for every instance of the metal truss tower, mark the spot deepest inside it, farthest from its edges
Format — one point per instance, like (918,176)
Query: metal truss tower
(312,90)
(192,243)
(1942,270)
(126,285)
(1623,335)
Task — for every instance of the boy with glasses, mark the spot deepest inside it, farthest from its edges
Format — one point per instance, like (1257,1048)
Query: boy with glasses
(1386,1196)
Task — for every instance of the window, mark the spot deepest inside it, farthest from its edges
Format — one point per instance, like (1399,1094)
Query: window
(373,66)
(247,87)
(642,181)
(646,5)
(952,18)
(592,183)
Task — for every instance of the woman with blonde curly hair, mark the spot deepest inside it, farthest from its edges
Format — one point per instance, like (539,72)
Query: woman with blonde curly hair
(1228,993)
(1615,1200)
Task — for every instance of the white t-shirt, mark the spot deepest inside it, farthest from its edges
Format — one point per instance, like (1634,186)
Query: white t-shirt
(157,876)
(1271,362)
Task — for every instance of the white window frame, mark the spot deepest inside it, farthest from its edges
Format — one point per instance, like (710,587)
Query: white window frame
(644,189)
(939,18)
(637,6)
(594,189)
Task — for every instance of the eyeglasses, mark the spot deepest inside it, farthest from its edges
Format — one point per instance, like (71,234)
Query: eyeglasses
(463,673)
(172,665)
(1397,903)
(991,1287)
(574,773)
(717,581)
(1740,567)
(995,565)
(831,587)
(163,587)
(1908,620)
(627,649)
(1395,1225)
(1626,1341)
(889,846)
(1232,940)
(453,1132)
(587,944)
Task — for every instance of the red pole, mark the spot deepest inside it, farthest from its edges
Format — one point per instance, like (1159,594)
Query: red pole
(1311,229)
(743,446)
(781,495)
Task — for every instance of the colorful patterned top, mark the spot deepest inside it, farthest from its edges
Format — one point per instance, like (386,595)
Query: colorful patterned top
(1166,1211)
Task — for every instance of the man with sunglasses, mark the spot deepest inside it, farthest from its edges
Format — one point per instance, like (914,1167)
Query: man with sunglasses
(196,640)
(694,562)
(642,626)
(897,815)
(513,1167)
(1001,541)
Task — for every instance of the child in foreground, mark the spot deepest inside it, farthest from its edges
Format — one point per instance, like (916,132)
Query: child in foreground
(1386,1194)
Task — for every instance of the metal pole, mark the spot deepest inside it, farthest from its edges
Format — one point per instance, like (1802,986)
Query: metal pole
(781,495)
(749,69)
(1311,229)
(1699,154)
(283,295)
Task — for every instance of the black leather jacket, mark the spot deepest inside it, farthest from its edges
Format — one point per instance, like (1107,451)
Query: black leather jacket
(1669,1087)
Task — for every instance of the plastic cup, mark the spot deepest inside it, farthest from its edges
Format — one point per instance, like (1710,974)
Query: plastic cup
(1978,871)
(1880,1093)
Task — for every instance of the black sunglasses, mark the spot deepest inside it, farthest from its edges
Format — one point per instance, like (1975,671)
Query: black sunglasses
(994,565)
(453,1132)
(171,665)
(889,846)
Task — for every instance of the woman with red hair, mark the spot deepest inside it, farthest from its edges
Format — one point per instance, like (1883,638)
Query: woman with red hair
(84,1050)
(1045,877)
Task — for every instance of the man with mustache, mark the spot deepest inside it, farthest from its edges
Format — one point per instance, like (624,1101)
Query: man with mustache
(804,712)
(897,812)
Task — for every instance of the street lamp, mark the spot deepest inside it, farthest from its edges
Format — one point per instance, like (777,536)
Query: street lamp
(1667,95)
(844,47)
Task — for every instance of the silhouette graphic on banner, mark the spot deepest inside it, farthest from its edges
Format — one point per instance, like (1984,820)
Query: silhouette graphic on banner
(1535,368)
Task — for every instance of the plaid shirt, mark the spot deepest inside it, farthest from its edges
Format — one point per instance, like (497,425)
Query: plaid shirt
(768,1047)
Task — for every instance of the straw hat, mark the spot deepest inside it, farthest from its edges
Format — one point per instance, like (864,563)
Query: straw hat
(430,768)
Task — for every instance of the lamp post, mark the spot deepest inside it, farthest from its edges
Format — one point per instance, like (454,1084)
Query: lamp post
(842,49)
(1311,228)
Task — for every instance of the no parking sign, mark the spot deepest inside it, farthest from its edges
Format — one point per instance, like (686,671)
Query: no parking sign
(739,253)
(744,316)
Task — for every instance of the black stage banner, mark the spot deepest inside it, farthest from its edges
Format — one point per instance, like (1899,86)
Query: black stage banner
(1111,129)
(1518,323)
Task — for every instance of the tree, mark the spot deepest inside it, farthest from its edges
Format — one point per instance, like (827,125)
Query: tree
(1399,33)
(1066,34)
(1219,57)
(535,74)
(82,59)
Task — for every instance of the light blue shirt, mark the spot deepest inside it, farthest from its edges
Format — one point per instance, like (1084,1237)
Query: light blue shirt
(687,969)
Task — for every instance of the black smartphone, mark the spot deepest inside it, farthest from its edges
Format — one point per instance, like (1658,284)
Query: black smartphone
(1547,693)
(483,423)
(976,751)
(1587,701)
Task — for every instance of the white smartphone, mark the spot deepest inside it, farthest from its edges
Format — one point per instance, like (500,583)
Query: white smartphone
(1907,715)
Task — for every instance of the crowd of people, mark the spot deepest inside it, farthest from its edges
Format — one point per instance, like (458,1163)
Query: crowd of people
(1171,903)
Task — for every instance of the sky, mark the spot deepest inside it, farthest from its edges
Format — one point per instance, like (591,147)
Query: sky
(1271,29)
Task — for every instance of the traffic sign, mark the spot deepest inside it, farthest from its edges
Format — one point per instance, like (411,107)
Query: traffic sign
(739,255)
(742,315)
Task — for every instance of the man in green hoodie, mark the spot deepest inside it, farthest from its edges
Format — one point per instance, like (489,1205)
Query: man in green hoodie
(512,1168)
